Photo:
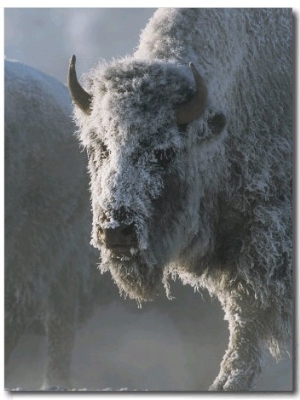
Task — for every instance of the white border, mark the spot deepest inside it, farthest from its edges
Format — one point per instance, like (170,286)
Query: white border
(113,3)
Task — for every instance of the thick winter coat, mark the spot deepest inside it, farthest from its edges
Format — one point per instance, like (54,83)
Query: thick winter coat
(48,260)
(197,183)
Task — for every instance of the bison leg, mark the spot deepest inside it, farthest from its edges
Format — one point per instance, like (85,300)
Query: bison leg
(60,342)
(15,321)
(13,332)
(242,361)
(60,331)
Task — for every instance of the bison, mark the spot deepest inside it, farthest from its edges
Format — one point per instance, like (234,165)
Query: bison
(49,265)
(190,160)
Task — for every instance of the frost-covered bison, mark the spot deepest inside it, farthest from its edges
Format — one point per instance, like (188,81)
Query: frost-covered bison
(191,169)
(48,261)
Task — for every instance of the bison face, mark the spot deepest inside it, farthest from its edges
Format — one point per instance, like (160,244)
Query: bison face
(147,172)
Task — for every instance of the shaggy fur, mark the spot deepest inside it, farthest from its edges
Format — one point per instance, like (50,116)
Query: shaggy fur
(48,261)
(210,205)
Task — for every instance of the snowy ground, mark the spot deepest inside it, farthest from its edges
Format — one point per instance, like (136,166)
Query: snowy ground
(166,346)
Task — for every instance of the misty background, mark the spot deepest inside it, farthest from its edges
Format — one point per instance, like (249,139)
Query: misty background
(166,345)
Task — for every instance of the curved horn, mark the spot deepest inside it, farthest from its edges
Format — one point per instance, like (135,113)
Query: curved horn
(186,113)
(80,97)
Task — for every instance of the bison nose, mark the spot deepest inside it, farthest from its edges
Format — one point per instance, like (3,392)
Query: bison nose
(120,236)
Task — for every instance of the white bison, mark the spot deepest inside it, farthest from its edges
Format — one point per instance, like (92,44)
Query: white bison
(191,169)
(48,263)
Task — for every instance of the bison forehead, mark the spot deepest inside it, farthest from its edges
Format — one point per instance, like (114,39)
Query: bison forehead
(131,75)
(139,91)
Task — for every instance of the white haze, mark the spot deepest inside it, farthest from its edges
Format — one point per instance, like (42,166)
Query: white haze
(167,345)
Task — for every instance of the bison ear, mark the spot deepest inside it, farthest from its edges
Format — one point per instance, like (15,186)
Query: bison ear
(217,123)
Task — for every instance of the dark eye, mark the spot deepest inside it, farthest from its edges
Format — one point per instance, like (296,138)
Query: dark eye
(164,156)
(97,147)
(93,151)
(136,157)
(104,152)
(182,128)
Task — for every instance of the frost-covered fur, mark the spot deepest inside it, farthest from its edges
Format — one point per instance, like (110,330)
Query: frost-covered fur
(210,205)
(48,260)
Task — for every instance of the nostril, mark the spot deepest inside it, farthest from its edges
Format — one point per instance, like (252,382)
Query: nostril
(103,218)
(100,232)
(129,230)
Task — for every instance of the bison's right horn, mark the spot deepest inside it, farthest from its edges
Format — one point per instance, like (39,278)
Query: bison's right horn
(186,113)
(80,97)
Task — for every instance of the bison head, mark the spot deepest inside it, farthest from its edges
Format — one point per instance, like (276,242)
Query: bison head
(151,140)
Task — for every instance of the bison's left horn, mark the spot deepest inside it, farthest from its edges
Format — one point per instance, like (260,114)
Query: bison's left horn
(80,97)
(186,113)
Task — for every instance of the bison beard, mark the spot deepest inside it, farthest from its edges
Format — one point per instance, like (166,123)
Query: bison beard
(134,277)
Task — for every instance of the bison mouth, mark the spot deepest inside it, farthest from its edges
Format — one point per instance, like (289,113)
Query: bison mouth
(123,253)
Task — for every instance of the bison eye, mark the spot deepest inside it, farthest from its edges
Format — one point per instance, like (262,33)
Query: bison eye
(93,151)
(164,156)
(104,152)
